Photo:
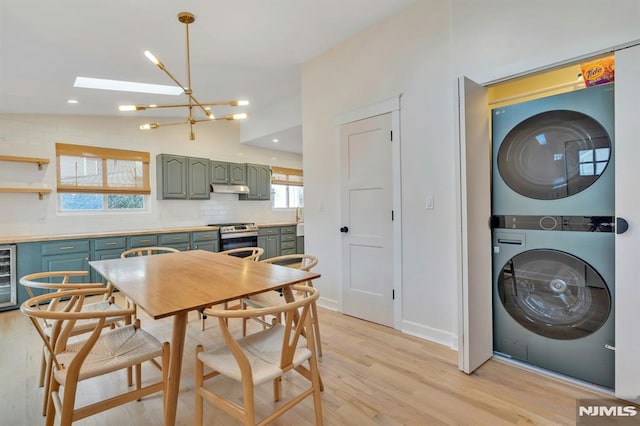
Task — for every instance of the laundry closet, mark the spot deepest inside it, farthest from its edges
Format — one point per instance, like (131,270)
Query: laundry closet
(559,297)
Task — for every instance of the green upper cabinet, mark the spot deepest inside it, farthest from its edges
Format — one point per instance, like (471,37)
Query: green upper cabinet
(198,173)
(182,178)
(259,182)
(171,173)
(228,173)
(237,174)
(219,172)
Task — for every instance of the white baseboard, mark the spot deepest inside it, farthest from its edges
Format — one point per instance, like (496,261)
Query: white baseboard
(432,334)
(330,304)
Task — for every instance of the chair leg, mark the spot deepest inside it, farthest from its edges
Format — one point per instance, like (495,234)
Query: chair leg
(277,387)
(317,400)
(316,328)
(43,367)
(249,405)
(199,373)
(68,401)
(48,374)
(51,409)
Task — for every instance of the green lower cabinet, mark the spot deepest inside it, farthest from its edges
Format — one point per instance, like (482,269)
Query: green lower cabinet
(300,245)
(270,244)
(136,241)
(67,255)
(180,241)
(205,240)
(105,249)
(287,240)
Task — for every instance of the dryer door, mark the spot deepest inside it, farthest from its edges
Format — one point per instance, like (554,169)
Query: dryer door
(554,294)
(554,154)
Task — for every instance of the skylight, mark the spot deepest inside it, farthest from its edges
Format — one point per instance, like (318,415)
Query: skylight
(126,86)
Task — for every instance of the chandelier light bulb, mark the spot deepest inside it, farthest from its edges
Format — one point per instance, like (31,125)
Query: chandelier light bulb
(149,126)
(240,116)
(127,108)
(152,58)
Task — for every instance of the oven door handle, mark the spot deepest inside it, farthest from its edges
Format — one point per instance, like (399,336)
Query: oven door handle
(238,235)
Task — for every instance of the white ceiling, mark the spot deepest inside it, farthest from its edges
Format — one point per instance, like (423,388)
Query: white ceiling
(249,49)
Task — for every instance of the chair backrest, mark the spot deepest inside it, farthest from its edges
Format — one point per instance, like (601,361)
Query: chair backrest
(67,310)
(247,253)
(297,322)
(147,251)
(56,280)
(299,261)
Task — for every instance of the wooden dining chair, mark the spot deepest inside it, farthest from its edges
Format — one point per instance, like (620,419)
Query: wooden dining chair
(270,298)
(147,251)
(103,351)
(60,281)
(262,357)
(246,253)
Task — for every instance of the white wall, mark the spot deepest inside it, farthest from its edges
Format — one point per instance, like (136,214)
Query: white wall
(27,135)
(419,53)
(408,54)
(495,39)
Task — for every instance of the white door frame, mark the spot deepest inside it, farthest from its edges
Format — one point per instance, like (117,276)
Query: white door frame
(391,105)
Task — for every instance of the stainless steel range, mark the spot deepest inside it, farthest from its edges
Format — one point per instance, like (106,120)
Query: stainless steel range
(234,235)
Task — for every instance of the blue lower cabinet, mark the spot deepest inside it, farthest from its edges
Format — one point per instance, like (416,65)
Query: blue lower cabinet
(142,241)
(180,241)
(205,240)
(105,249)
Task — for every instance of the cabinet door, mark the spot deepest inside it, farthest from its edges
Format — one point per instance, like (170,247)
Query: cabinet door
(300,245)
(198,169)
(259,182)
(213,245)
(237,174)
(264,183)
(104,255)
(219,172)
(68,262)
(271,246)
(172,176)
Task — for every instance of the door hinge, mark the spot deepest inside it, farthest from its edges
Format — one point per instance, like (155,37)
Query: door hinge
(391,135)
(393,294)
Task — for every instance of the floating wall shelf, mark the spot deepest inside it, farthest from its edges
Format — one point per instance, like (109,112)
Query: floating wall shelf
(39,191)
(39,162)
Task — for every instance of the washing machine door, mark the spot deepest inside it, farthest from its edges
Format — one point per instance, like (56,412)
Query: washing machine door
(554,294)
(554,154)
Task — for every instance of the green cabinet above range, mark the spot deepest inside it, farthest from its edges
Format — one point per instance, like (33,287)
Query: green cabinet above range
(228,173)
(190,178)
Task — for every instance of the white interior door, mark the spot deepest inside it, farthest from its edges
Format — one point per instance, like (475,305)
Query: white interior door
(367,227)
(475,338)
(627,157)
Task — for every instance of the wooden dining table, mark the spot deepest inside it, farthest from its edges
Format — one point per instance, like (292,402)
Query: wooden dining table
(173,284)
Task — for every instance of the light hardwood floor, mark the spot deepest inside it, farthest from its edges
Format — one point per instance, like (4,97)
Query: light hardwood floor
(373,375)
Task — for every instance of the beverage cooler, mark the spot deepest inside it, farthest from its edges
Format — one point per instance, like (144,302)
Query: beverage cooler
(8,285)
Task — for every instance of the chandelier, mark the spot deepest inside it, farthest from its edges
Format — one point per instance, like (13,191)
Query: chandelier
(193,104)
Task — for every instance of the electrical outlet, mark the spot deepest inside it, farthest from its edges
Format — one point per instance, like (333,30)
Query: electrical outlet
(429,203)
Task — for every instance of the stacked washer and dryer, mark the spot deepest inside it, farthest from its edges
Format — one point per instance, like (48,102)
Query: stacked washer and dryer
(553,240)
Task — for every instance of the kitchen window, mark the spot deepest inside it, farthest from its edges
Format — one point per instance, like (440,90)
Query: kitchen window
(101,179)
(287,188)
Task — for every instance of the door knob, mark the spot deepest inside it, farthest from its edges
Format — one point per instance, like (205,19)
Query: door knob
(344,229)
(621,225)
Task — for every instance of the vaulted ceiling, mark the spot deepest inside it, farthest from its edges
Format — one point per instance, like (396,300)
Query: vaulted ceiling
(249,49)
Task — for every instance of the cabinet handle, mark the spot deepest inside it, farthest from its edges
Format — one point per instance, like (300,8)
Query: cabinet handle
(67,247)
(177,238)
(145,241)
(111,244)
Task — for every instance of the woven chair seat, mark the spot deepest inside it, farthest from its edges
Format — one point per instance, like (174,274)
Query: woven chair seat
(263,350)
(82,326)
(115,350)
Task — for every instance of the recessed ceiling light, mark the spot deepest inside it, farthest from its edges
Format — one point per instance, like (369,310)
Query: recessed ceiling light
(276,141)
(126,86)
(72,101)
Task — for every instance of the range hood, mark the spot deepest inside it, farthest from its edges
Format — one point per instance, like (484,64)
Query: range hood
(229,189)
